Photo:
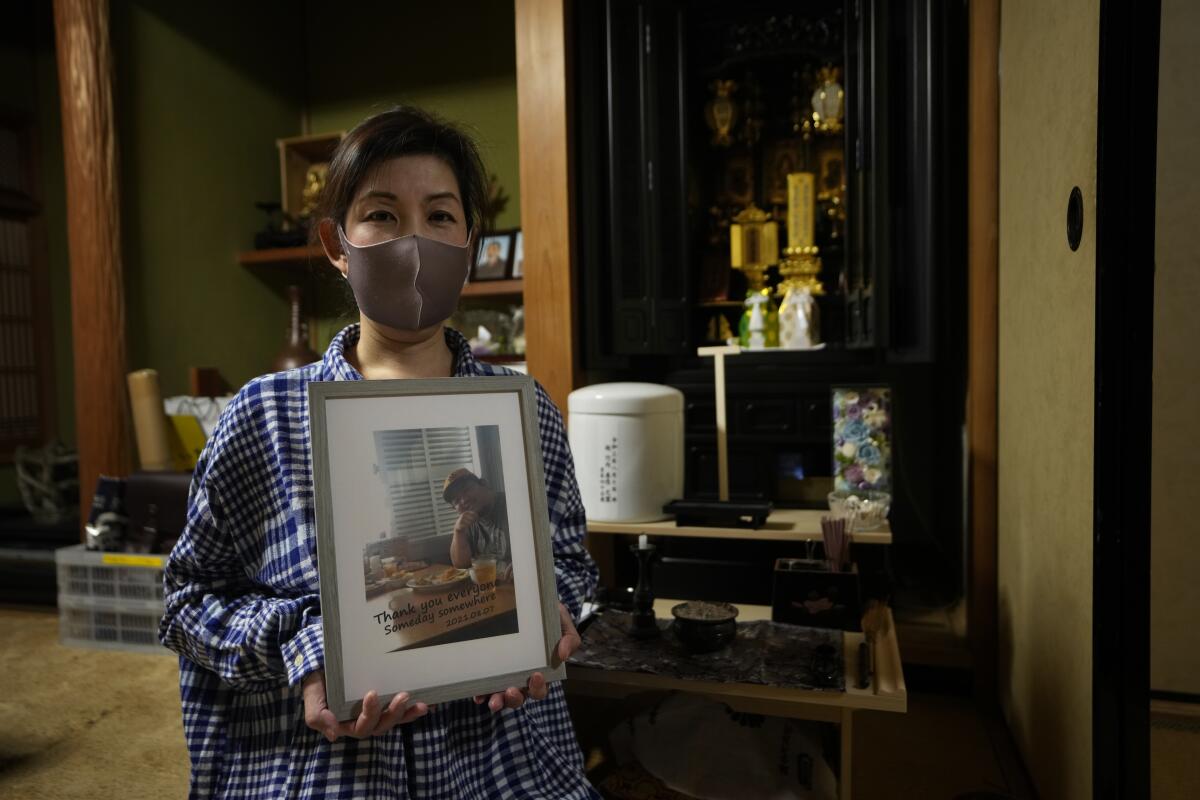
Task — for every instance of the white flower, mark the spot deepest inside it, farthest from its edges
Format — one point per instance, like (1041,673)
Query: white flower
(849,449)
(876,418)
(872,475)
(851,398)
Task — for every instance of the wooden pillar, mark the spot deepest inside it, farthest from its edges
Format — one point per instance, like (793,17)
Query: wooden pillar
(544,125)
(983,214)
(94,238)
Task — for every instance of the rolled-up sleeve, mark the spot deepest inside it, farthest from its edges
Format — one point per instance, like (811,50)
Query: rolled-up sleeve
(574,570)
(217,615)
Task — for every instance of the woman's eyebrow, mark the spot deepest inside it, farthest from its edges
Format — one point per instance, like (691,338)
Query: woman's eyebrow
(441,196)
(379,193)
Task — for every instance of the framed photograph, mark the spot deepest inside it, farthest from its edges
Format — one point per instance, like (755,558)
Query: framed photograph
(495,252)
(433,538)
(518,259)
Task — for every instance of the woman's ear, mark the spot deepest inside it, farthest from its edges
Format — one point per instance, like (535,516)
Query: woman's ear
(333,245)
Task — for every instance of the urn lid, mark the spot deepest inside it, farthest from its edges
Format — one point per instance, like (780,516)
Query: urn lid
(625,398)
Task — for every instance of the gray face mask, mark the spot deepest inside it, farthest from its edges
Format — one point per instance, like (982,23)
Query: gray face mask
(407,283)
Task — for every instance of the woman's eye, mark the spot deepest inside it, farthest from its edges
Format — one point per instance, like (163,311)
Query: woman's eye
(441,216)
(379,216)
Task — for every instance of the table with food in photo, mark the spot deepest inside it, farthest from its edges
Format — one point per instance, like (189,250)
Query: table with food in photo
(422,604)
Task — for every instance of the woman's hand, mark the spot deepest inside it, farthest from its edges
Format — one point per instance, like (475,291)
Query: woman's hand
(537,688)
(373,720)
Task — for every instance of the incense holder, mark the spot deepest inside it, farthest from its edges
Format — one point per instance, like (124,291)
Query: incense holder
(806,592)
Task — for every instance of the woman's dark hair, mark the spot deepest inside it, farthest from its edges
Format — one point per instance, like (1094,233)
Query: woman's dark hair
(402,131)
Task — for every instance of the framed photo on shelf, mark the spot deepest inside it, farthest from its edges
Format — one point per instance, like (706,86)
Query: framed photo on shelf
(433,538)
(495,254)
(518,259)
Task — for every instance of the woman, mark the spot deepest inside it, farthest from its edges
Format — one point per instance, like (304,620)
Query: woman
(242,606)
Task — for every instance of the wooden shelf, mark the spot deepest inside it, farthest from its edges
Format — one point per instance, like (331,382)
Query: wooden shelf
(503,360)
(294,256)
(506,288)
(890,694)
(784,525)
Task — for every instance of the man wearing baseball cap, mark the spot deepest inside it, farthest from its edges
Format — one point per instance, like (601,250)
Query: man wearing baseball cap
(482,526)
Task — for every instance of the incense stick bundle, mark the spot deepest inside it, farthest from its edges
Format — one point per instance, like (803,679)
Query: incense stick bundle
(836,533)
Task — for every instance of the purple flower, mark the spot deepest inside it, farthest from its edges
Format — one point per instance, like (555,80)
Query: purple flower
(854,475)
(853,412)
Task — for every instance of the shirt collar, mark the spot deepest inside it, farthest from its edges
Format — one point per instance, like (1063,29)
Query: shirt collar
(335,367)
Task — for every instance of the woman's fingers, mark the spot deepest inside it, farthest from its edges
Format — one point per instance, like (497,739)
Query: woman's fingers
(570,641)
(538,688)
(316,709)
(328,726)
(368,718)
(392,714)
(513,697)
(373,720)
(414,711)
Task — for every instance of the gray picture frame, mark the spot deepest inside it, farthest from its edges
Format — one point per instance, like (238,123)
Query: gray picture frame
(319,393)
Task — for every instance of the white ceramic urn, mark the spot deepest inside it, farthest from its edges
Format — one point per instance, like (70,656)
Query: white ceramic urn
(627,440)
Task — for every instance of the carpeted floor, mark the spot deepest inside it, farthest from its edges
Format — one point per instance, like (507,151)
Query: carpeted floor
(85,724)
(80,724)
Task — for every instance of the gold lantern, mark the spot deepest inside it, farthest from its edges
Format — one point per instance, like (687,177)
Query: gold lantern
(753,245)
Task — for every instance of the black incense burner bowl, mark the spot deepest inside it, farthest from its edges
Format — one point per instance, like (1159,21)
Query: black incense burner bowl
(704,627)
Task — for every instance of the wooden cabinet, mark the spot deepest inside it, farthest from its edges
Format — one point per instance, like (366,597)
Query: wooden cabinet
(656,191)
(633,163)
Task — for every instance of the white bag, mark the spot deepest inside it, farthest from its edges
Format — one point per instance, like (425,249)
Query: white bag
(707,750)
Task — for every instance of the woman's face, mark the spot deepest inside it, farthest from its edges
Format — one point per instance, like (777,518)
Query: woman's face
(406,195)
(401,196)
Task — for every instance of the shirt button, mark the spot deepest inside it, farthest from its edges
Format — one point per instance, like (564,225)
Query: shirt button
(299,661)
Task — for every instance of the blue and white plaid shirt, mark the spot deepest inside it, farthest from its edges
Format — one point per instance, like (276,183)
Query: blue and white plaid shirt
(243,612)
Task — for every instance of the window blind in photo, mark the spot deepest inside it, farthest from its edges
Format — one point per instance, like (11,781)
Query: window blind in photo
(413,465)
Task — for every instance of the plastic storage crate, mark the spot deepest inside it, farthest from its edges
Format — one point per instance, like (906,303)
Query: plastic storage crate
(130,625)
(90,575)
(109,600)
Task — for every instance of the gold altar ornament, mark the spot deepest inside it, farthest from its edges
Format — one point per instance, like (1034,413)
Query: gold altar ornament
(721,113)
(314,184)
(827,101)
(753,244)
(800,214)
(799,270)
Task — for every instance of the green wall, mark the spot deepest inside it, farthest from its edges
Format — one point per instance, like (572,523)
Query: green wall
(202,92)
(457,60)
(201,97)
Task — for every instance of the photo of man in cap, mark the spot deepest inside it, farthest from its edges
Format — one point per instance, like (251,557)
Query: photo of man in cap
(482,526)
